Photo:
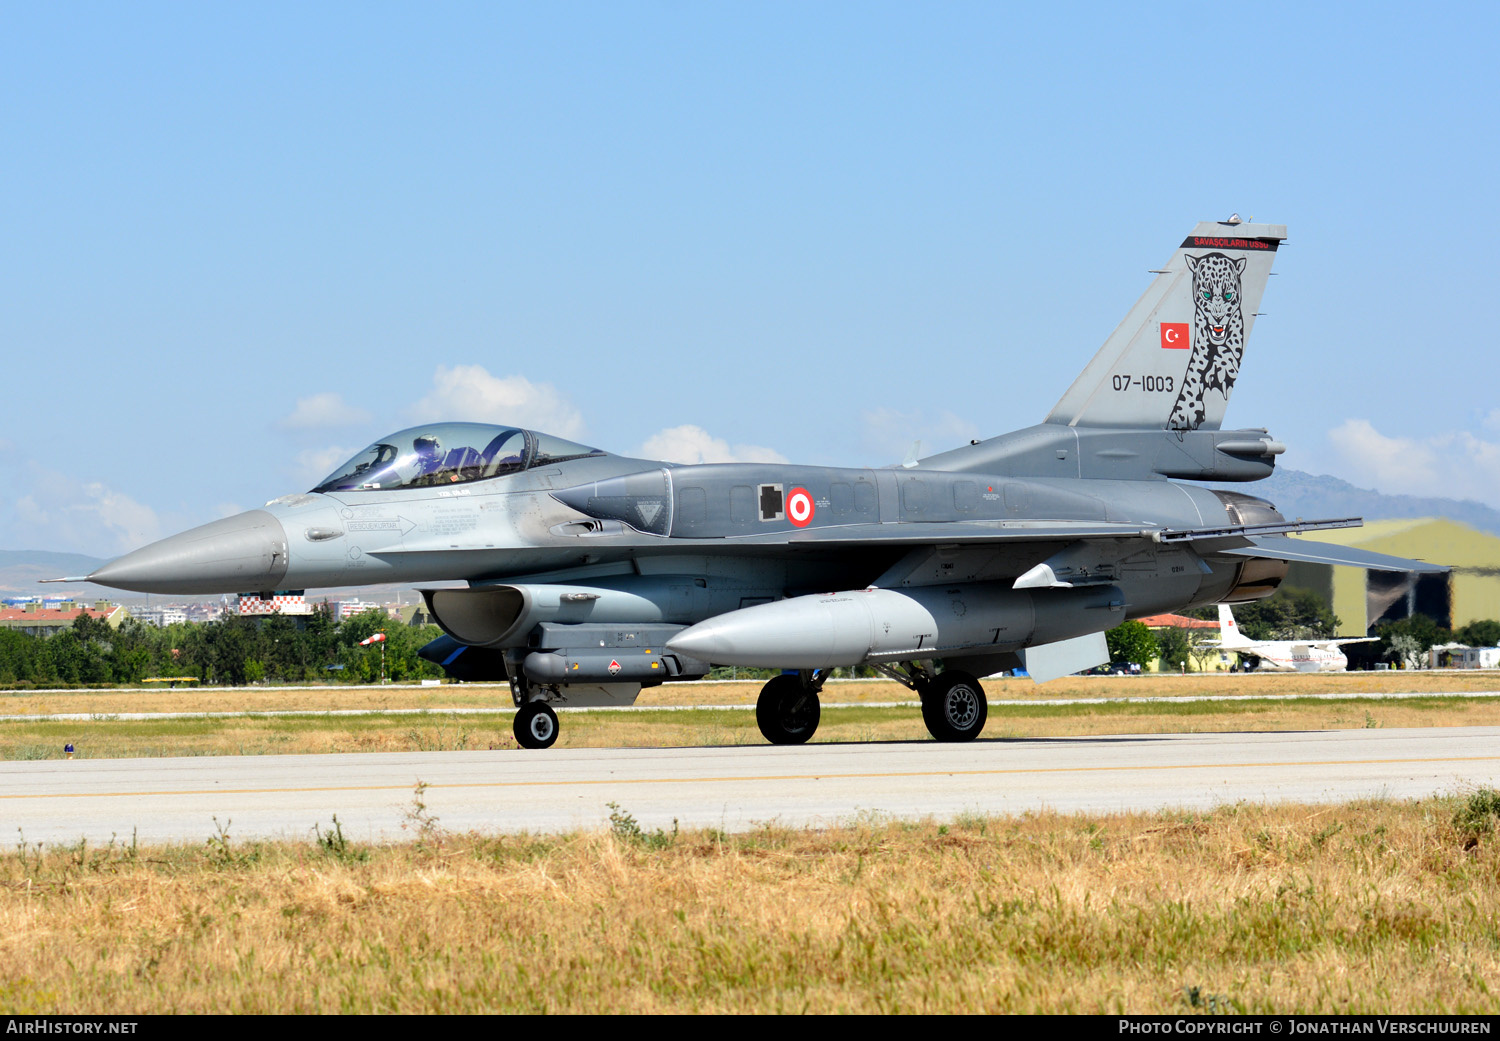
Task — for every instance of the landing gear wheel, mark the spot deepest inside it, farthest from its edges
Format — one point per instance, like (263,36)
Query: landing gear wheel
(787,712)
(536,725)
(953,707)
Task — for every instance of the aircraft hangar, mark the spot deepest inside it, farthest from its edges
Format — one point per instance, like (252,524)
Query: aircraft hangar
(1470,592)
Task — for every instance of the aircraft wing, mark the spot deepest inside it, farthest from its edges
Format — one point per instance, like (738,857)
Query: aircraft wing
(1045,531)
(1247,540)
(926,534)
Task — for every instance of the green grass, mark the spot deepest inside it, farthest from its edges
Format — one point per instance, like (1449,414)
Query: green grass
(313,733)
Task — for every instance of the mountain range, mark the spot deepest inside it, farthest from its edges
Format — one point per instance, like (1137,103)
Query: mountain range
(1317,497)
(22,569)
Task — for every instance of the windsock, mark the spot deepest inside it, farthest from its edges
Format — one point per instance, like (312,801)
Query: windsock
(377,638)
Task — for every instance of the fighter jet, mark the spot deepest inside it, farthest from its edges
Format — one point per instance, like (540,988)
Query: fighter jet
(585,576)
(1286,655)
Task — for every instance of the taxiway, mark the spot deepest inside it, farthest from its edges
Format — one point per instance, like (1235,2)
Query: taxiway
(734,788)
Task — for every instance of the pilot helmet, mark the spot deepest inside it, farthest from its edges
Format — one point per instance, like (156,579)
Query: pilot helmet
(427,446)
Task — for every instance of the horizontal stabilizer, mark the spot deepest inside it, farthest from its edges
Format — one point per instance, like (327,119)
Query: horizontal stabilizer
(1278,548)
(1226,531)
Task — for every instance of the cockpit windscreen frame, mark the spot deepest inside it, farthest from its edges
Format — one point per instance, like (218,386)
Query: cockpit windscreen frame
(440,454)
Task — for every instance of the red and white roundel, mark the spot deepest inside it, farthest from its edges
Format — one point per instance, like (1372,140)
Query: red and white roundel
(799,507)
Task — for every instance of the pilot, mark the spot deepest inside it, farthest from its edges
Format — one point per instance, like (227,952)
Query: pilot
(429,455)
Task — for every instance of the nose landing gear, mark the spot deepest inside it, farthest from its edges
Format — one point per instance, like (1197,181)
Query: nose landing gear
(535,725)
(788,709)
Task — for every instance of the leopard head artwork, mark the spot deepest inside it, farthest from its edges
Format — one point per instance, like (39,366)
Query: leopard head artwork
(1216,298)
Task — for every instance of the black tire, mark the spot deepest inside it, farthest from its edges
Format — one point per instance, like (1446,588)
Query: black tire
(954,707)
(536,725)
(786,711)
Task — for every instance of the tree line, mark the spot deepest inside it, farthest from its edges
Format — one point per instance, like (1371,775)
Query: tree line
(233,650)
(236,650)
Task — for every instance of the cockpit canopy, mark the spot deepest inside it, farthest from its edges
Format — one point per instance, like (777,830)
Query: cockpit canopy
(449,453)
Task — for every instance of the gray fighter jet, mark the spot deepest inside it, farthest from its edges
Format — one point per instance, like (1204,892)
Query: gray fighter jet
(590,575)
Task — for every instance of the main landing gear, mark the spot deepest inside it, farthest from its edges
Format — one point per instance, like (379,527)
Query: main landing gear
(953,706)
(953,703)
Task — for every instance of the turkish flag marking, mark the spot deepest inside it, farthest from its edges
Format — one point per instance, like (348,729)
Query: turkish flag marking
(1174,336)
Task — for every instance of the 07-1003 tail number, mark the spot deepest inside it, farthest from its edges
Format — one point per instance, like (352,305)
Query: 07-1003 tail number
(1151,384)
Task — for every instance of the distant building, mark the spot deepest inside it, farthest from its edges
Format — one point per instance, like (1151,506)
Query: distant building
(411,614)
(290,604)
(36,619)
(161,617)
(200,613)
(343,609)
(1177,621)
(1461,656)
(1199,632)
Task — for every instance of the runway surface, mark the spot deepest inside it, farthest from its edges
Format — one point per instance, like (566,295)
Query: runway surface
(161,800)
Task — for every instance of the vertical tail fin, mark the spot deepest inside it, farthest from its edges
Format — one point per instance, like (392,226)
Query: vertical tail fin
(1229,630)
(1172,362)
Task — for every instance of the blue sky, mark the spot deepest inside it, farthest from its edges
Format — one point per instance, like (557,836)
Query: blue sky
(241,241)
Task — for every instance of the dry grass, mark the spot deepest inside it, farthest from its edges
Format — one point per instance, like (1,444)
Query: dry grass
(1375,907)
(255,699)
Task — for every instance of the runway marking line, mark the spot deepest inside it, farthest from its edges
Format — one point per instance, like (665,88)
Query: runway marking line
(754,777)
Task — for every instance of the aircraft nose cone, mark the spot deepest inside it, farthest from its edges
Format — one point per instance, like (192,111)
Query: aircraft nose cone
(242,554)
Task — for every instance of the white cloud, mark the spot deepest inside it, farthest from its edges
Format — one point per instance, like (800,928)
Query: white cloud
(693,444)
(324,410)
(311,465)
(1492,419)
(468,393)
(1454,465)
(889,432)
(63,514)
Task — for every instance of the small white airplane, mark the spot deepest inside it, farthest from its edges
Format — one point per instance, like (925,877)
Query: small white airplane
(1286,655)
